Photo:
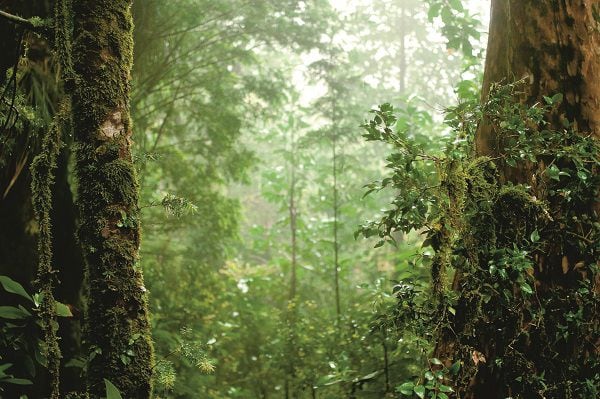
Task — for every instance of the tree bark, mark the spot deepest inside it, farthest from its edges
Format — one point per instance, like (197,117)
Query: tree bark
(554,45)
(117,329)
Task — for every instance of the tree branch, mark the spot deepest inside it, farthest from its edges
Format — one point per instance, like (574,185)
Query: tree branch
(34,24)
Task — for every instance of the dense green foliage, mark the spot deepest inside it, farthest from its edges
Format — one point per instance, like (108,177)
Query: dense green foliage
(490,237)
(230,293)
(237,108)
(246,186)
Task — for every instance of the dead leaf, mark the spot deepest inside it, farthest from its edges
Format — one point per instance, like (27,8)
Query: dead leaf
(478,357)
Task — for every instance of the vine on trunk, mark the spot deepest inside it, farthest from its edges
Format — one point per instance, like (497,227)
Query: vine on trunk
(522,255)
(43,169)
(42,180)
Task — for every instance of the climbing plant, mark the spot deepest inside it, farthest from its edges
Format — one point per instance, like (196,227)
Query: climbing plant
(493,237)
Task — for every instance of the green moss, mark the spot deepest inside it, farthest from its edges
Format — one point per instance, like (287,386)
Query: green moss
(517,214)
(482,191)
(524,256)
(63,39)
(119,182)
(454,180)
(117,327)
(450,224)
(441,260)
(482,183)
(42,173)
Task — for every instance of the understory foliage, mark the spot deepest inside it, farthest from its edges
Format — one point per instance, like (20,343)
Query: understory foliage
(522,255)
(212,80)
(216,82)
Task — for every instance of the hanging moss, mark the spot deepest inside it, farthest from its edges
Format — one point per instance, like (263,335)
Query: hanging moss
(42,180)
(63,39)
(117,329)
(482,181)
(42,172)
(442,241)
(449,227)
(482,191)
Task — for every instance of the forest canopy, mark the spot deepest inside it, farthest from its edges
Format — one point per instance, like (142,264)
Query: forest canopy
(299,199)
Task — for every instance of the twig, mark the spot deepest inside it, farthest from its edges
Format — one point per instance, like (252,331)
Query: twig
(32,24)
(13,81)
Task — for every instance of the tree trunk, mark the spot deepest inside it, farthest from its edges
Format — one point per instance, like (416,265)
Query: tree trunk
(292,302)
(20,229)
(555,47)
(117,329)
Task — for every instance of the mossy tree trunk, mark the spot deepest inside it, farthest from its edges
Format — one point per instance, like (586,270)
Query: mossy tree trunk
(118,330)
(20,230)
(554,46)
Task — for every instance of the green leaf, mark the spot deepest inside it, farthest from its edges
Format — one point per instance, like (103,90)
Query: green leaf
(446,388)
(558,97)
(18,381)
(553,172)
(526,288)
(13,287)
(76,362)
(457,5)
(447,19)
(4,367)
(13,313)
(419,391)
(111,391)
(434,11)
(429,375)
(37,299)
(63,310)
(406,388)
(535,236)
(442,395)
(455,367)
(467,47)
(327,380)
(436,361)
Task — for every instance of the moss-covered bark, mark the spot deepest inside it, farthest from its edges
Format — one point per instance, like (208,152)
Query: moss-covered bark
(118,331)
(554,46)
